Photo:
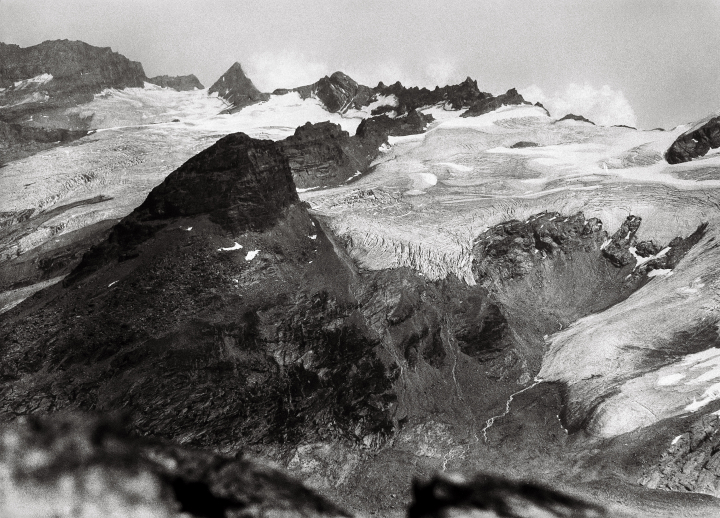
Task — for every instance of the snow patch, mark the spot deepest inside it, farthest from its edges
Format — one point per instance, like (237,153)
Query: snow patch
(660,272)
(676,440)
(33,81)
(251,255)
(313,237)
(236,246)
(112,283)
(670,379)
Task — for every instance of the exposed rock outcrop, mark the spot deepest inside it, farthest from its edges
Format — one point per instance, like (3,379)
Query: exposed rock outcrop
(179,83)
(456,97)
(695,143)
(488,104)
(323,155)
(338,92)
(573,117)
(93,467)
(692,462)
(237,89)
(524,143)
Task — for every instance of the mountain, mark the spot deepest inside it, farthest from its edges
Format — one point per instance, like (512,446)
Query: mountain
(59,73)
(235,87)
(337,92)
(179,83)
(367,296)
(491,103)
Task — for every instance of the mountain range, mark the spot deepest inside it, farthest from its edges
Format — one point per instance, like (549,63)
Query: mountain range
(358,285)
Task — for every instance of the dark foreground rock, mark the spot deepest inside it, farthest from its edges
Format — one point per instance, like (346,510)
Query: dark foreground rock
(490,497)
(221,314)
(696,143)
(237,89)
(179,83)
(82,465)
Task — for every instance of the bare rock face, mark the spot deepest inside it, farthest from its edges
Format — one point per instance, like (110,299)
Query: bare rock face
(179,83)
(323,155)
(512,249)
(490,497)
(573,117)
(695,143)
(692,462)
(237,89)
(338,92)
(240,183)
(488,104)
(82,465)
(60,73)
(456,97)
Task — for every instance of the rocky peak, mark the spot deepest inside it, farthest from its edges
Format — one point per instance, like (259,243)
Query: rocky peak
(179,83)
(236,88)
(71,61)
(411,98)
(59,74)
(490,103)
(241,183)
(338,92)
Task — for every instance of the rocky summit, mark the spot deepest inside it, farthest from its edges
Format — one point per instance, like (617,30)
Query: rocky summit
(341,300)
(235,87)
(59,73)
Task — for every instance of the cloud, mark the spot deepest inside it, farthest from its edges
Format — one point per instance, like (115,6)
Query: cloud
(287,69)
(603,106)
(440,73)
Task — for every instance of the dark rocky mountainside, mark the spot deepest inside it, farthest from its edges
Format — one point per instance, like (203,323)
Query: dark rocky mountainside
(179,83)
(337,92)
(78,71)
(237,89)
(221,314)
(695,143)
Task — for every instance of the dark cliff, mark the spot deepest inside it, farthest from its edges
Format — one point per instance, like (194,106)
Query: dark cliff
(695,143)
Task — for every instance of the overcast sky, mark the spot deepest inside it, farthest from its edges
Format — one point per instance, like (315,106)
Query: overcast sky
(645,62)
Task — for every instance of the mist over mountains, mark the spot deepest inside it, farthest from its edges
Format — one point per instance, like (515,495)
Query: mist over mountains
(229,302)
